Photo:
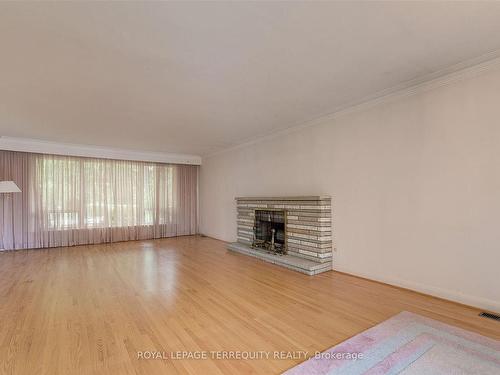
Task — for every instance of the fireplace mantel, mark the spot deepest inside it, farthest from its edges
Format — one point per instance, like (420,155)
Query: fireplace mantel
(286,199)
(308,231)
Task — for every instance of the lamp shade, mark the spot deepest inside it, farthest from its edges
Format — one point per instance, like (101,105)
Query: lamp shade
(9,187)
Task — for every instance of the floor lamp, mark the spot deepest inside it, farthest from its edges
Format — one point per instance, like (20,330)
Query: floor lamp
(8,187)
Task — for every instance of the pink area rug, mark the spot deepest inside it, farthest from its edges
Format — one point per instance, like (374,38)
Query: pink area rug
(408,344)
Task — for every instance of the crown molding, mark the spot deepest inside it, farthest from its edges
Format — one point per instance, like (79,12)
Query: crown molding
(455,73)
(70,149)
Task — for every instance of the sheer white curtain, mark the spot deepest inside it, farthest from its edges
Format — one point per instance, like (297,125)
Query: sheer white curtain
(71,200)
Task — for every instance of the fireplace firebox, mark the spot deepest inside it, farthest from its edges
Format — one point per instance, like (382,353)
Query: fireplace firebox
(269,231)
(302,229)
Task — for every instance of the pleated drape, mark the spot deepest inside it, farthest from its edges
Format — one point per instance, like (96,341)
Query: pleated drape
(69,200)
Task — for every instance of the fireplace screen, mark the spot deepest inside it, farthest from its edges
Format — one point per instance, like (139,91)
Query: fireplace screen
(269,231)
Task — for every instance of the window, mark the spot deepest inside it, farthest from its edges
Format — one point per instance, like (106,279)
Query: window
(94,193)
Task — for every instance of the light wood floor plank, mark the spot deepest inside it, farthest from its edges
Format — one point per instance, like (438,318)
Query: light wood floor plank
(90,309)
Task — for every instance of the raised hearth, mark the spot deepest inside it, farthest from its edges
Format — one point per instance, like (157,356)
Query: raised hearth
(294,232)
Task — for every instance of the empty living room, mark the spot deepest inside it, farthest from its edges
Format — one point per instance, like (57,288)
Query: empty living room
(249,187)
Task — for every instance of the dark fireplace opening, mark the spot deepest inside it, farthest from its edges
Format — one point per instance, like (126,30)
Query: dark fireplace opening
(269,231)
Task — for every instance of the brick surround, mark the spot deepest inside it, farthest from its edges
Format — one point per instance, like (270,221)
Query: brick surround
(308,231)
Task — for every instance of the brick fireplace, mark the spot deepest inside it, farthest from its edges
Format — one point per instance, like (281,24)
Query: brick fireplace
(293,232)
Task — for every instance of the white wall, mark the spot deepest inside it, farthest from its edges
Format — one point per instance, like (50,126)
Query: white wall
(415,183)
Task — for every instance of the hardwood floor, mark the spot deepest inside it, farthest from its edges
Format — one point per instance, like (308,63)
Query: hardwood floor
(91,309)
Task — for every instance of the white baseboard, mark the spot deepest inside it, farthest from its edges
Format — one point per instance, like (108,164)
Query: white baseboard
(480,303)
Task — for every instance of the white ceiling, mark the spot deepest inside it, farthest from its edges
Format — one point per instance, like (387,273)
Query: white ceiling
(199,77)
